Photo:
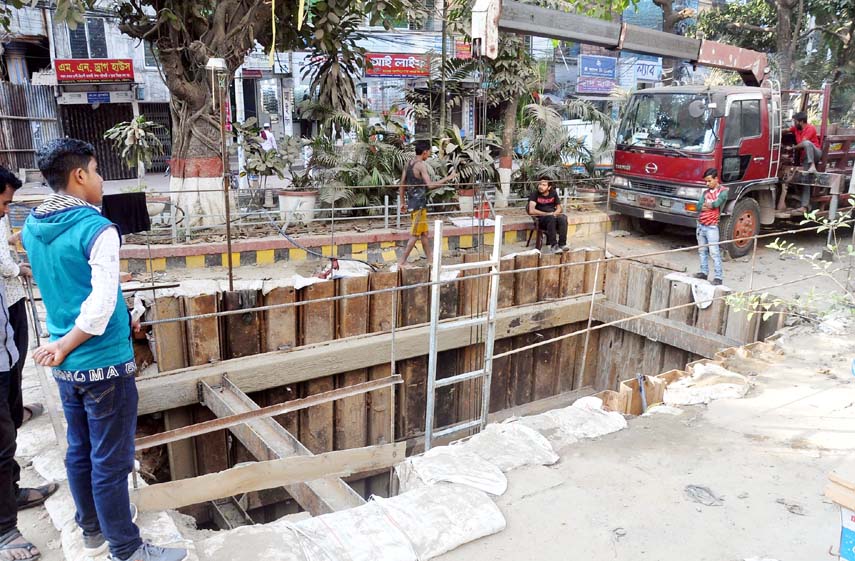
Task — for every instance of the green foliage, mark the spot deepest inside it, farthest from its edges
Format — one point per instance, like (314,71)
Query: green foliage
(749,24)
(811,306)
(136,141)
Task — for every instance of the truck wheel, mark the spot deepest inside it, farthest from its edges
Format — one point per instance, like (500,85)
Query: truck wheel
(742,224)
(648,227)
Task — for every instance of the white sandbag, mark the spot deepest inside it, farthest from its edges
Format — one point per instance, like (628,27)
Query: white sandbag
(271,542)
(584,419)
(708,382)
(442,517)
(451,464)
(663,410)
(364,533)
(509,446)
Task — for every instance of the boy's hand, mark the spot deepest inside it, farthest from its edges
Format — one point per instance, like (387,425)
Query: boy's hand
(706,206)
(51,354)
(403,208)
(15,238)
(25,271)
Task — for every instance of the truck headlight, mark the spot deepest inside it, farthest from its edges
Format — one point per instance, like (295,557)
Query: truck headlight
(689,192)
(618,181)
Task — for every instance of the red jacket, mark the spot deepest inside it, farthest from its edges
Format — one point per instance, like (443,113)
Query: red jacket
(808,132)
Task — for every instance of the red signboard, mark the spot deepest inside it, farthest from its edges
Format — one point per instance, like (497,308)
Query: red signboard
(396,65)
(94,70)
(462,49)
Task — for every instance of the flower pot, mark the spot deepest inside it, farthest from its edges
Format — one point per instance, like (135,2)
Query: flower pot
(155,205)
(590,194)
(297,207)
(466,200)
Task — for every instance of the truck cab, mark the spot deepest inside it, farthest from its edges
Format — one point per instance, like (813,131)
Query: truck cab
(669,136)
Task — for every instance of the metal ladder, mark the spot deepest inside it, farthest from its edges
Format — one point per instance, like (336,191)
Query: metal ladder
(775,148)
(488,319)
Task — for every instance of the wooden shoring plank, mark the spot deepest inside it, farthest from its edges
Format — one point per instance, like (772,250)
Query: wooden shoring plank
(521,389)
(667,331)
(317,325)
(572,276)
(589,372)
(568,376)
(447,362)
(243,332)
(266,475)
(351,414)
(549,280)
(639,279)
(501,376)
(606,358)
(660,295)
(506,284)
(159,392)
(591,271)
(181,454)
(280,325)
(712,318)
(415,310)
(681,294)
(203,335)
(525,283)
(739,327)
(616,280)
(280,332)
(474,295)
(268,440)
(169,337)
(383,309)
(546,364)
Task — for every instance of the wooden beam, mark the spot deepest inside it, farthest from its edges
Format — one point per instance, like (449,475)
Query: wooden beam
(258,476)
(268,440)
(160,392)
(668,331)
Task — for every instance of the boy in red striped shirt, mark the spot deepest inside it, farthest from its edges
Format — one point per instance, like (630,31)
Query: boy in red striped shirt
(709,213)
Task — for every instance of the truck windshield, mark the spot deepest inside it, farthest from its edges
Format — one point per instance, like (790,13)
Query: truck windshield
(681,121)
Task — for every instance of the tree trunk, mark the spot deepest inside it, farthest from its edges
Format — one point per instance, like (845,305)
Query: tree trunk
(506,160)
(785,38)
(196,164)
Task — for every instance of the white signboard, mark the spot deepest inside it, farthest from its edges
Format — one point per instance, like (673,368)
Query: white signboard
(648,71)
(87,98)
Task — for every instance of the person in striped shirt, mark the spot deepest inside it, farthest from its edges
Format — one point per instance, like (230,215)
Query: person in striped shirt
(709,213)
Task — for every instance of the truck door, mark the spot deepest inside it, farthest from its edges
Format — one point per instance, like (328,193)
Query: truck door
(745,149)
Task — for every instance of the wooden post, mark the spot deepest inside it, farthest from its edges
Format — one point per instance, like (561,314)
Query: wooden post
(712,318)
(317,323)
(660,296)
(506,284)
(521,389)
(591,269)
(639,278)
(549,280)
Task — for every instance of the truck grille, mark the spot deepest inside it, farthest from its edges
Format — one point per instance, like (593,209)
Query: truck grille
(654,187)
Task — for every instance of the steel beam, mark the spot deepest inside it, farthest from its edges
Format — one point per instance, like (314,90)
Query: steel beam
(266,439)
(527,19)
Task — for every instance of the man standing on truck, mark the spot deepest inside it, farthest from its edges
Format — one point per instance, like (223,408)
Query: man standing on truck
(709,214)
(807,141)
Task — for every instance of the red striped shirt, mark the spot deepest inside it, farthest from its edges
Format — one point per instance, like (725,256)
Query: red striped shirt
(710,217)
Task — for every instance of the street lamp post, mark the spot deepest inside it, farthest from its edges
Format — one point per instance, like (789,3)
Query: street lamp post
(219,71)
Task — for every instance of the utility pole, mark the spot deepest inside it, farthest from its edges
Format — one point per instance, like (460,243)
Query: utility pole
(442,105)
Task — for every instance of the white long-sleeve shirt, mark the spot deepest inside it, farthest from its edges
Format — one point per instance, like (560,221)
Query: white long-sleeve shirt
(9,270)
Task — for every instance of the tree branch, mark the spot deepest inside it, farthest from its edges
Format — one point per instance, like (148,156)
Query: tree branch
(749,27)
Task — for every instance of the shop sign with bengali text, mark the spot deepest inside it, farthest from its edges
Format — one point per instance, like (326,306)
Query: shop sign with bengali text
(593,66)
(381,65)
(595,85)
(462,49)
(94,70)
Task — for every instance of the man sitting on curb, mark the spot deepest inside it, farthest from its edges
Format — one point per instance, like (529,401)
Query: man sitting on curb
(545,206)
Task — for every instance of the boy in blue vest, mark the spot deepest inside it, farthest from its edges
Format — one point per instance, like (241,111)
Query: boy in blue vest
(74,253)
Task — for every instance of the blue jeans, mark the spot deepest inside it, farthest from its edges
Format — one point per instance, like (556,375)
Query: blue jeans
(102,421)
(708,235)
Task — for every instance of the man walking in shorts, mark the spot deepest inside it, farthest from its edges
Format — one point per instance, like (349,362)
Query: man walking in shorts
(416,180)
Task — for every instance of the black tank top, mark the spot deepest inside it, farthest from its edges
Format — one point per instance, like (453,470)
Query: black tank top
(416,189)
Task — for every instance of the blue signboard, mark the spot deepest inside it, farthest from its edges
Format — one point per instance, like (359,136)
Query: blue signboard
(593,66)
(97,97)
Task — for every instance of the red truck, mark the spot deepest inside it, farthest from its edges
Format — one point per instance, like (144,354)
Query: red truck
(669,135)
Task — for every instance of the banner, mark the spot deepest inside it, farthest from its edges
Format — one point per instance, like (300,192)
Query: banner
(595,85)
(396,65)
(592,66)
(94,70)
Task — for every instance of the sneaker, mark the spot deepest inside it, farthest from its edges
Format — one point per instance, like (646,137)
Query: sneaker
(565,248)
(556,248)
(717,282)
(149,552)
(96,544)
(701,276)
